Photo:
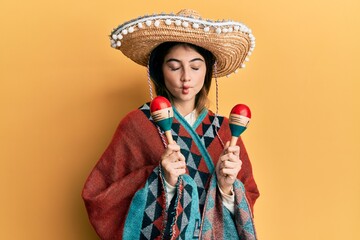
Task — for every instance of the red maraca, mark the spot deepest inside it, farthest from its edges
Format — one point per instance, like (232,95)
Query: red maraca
(162,114)
(238,120)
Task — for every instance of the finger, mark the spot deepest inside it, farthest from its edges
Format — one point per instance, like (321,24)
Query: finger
(177,171)
(224,158)
(170,150)
(233,158)
(229,172)
(167,153)
(180,171)
(227,144)
(178,164)
(234,150)
(228,164)
(174,157)
(167,161)
(173,147)
(229,157)
(180,157)
(236,166)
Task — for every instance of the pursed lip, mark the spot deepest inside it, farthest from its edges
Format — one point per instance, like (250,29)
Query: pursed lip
(185,89)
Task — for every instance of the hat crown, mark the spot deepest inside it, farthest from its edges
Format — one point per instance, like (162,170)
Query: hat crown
(189,13)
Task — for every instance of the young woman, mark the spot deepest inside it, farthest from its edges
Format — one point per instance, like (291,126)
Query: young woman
(194,187)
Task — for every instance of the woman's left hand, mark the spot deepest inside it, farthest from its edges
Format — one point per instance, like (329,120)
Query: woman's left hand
(228,167)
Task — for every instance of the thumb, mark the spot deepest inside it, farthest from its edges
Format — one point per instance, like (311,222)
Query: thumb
(227,145)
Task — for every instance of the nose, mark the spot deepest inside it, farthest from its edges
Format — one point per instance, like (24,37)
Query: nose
(185,77)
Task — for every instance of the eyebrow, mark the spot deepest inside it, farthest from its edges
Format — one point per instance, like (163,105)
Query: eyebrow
(177,60)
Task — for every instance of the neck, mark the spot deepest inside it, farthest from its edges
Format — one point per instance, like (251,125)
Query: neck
(184,109)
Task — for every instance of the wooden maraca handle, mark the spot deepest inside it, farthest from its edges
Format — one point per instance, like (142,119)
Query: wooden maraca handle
(233,141)
(169,137)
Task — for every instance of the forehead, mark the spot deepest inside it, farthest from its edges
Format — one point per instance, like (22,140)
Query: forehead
(183,52)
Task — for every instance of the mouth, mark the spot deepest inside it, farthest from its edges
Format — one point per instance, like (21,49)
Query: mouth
(185,89)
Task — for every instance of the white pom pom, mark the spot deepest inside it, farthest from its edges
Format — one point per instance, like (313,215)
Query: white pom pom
(148,23)
(140,25)
(225,30)
(230,29)
(236,71)
(247,59)
(118,43)
(124,31)
(185,24)
(131,29)
(120,36)
(206,29)
(168,22)
(236,28)
(177,22)
(218,30)
(242,65)
(157,23)
(114,36)
(195,25)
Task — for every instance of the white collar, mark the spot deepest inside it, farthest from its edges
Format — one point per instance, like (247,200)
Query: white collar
(191,117)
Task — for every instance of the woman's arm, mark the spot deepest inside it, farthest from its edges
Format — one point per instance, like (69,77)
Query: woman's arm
(121,171)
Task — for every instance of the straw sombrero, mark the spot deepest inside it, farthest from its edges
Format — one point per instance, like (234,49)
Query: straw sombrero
(231,42)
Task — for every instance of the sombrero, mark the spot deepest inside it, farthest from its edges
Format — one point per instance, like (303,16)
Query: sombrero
(231,42)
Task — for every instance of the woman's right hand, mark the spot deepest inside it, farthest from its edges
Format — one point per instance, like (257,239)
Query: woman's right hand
(173,163)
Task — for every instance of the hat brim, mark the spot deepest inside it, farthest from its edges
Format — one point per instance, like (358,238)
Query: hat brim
(231,47)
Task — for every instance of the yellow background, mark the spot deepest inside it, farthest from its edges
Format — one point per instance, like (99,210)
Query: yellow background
(63,91)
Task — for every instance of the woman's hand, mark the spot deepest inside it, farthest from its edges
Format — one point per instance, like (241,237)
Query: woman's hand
(228,167)
(173,163)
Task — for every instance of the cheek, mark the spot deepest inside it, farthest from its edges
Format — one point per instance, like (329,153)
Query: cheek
(166,76)
(201,79)
(170,77)
(169,80)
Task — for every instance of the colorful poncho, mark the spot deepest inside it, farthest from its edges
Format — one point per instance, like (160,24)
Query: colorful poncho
(125,195)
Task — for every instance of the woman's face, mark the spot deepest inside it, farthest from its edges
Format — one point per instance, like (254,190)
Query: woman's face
(184,72)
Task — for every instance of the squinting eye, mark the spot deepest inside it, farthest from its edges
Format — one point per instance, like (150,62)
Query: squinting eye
(174,69)
(194,68)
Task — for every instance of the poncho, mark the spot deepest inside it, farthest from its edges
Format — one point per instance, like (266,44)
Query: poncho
(125,194)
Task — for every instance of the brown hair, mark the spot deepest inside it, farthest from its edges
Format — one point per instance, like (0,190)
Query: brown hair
(156,61)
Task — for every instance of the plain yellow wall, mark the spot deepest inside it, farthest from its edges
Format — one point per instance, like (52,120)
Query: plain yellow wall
(63,91)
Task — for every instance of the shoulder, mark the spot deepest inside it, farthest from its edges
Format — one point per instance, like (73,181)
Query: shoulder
(136,118)
(142,111)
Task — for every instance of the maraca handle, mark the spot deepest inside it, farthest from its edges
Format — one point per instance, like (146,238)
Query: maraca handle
(233,141)
(169,137)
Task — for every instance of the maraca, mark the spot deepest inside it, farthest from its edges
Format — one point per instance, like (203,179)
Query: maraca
(238,120)
(162,114)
